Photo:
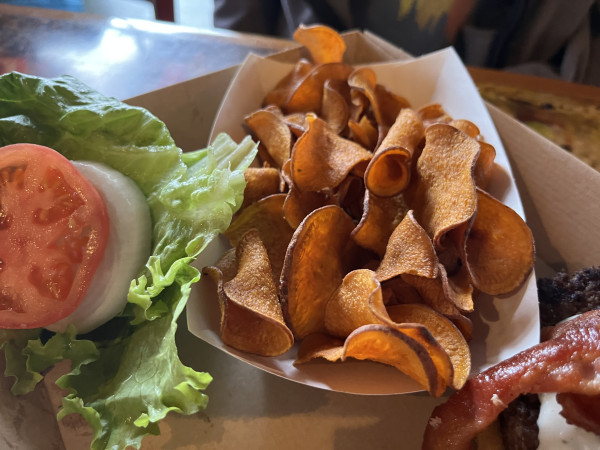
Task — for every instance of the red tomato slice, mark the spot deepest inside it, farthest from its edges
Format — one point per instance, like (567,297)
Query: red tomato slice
(53,232)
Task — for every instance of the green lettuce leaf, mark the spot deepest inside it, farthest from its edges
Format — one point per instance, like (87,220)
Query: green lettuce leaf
(126,375)
(82,124)
(27,356)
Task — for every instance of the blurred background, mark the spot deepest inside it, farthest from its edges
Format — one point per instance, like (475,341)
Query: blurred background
(502,43)
(548,38)
(196,13)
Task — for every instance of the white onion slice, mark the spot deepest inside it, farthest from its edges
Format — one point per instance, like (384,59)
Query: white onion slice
(127,250)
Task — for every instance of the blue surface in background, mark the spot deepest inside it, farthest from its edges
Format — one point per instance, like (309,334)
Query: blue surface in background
(67,5)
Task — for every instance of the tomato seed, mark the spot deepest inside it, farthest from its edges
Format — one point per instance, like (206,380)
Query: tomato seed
(10,303)
(64,207)
(5,219)
(54,282)
(74,242)
(13,174)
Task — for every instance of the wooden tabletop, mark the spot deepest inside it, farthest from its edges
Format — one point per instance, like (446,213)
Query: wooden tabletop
(119,57)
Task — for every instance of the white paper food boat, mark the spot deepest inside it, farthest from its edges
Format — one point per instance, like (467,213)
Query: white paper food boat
(502,326)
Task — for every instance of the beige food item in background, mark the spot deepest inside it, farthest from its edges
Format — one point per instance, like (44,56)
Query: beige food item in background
(569,122)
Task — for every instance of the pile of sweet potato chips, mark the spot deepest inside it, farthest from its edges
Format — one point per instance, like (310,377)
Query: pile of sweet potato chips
(366,230)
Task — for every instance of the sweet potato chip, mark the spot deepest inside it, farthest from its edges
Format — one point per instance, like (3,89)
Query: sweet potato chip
(432,114)
(357,302)
(406,132)
(389,171)
(340,85)
(431,291)
(364,81)
(349,195)
(397,291)
(389,346)
(272,132)
(324,44)
(466,126)
(314,267)
(389,104)
(274,109)
(224,269)
(363,132)
(266,216)
(260,182)
(299,204)
(280,95)
(308,94)
(436,352)
(445,196)
(499,247)
(458,288)
(443,331)
(334,108)
(321,159)
(296,123)
(251,316)
(409,251)
(464,324)
(484,166)
(379,219)
(359,105)
(320,345)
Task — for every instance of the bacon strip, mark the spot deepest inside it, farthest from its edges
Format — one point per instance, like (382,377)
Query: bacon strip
(581,410)
(568,362)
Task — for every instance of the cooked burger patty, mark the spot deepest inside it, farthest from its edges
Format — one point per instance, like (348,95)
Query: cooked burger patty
(560,297)
(518,423)
(567,295)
